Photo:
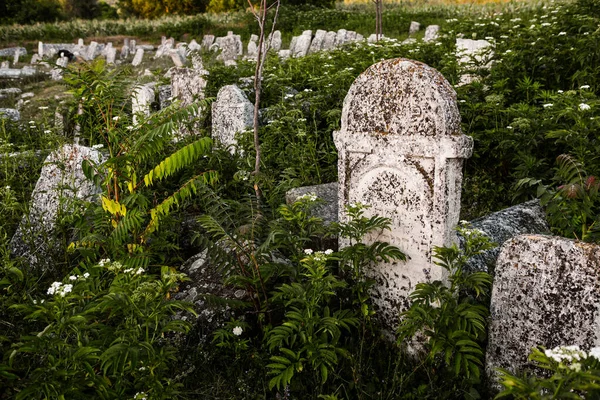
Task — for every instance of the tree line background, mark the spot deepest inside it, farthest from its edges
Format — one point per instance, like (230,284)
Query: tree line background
(31,11)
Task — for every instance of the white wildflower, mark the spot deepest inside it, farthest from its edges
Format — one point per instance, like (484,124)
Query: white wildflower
(509,127)
(86,275)
(237,331)
(54,287)
(140,271)
(548,105)
(47,131)
(35,302)
(584,107)
(308,251)
(562,33)
(116,118)
(42,108)
(66,289)
(328,252)
(103,262)
(72,278)
(584,87)
(97,146)
(559,91)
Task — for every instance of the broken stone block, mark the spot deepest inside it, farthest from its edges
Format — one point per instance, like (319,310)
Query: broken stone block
(60,186)
(177,58)
(414,28)
(327,192)
(232,112)
(432,33)
(12,51)
(406,109)
(545,293)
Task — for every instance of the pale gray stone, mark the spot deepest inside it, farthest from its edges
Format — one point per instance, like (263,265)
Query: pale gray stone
(5,65)
(526,218)
(133,45)
(327,192)
(164,96)
(146,47)
(12,51)
(137,59)
(351,36)
(9,92)
(124,52)
(187,85)
(359,37)
(207,41)
(61,184)
(178,60)
(340,37)
(470,51)
(545,293)
(163,49)
(230,46)
(10,113)
(414,28)
(253,47)
(293,44)
(141,101)
(317,42)
(111,55)
(16,57)
(302,44)
(329,41)
(232,112)
(401,151)
(284,54)
(35,59)
(275,40)
(432,33)
(80,43)
(194,46)
(91,51)
(41,49)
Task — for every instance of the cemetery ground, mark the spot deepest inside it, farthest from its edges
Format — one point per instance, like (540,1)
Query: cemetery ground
(144,256)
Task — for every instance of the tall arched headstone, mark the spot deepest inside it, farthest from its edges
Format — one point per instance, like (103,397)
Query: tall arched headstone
(401,152)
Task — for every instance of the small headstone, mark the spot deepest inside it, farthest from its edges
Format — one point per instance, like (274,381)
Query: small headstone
(207,41)
(141,101)
(232,112)
(164,96)
(546,293)
(91,51)
(351,36)
(253,47)
(178,60)
(61,182)
(132,46)
(302,44)
(317,42)
(275,41)
(470,50)
(80,43)
(284,54)
(359,37)
(126,42)
(111,55)
(431,33)
(401,151)
(35,59)
(16,57)
(9,92)
(187,85)
(41,49)
(137,59)
(11,51)
(230,46)
(340,37)
(414,28)
(194,46)
(10,113)
(5,65)
(293,44)
(329,41)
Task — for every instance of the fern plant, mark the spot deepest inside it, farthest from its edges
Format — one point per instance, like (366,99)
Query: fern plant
(450,320)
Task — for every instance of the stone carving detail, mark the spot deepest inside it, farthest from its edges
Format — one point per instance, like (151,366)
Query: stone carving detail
(401,151)
(546,292)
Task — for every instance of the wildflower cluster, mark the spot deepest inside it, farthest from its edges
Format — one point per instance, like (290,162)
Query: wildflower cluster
(60,289)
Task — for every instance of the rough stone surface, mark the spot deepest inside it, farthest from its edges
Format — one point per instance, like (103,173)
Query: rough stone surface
(207,41)
(137,59)
(525,218)
(546,292)
(414,27)
(283,54)
(194,46)
(401,151)
(177,58)
(471,50)
(11,51)
(111,55)
(5,65)
(187,85)
(253,47)
(302,44)
(317,42)
(275,40)
(231,47)
(329,41)
(340,37)
(61,182)
(328,192)
(293,44)
(9,92)
(232,112)
(91,51)
(125,50)
(141,101)
(10,113)
(164,96)
(431,33)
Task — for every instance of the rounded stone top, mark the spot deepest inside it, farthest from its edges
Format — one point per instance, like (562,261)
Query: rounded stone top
(401,97)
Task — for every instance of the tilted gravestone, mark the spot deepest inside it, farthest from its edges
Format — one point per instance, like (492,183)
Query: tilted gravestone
(431,33)
(61,183)
(207,41)
(546,292)
(302,44)
(329,41)
(317,42)
(253,47)
(275,40)
(141,101)
(401,151)
(137,59)
(414,28)
(340,38)
(187,85)
(232,112)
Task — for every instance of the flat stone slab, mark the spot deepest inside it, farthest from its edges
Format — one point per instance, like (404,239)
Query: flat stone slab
(10,113)
(328,192)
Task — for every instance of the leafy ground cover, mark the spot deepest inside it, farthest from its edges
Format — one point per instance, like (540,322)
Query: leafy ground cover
(99,323)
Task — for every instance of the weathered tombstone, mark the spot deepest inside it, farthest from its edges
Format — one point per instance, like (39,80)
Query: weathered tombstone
(80,43)
(351,36)
(111,55)
(194,46)
(284,54)
(253,47)
(91,51)
(473,55)
(207,41)
(317,42)
(11,51)
(327,192)
(232,112)
(546,292)
(431,33)
(10,113)
(164,96)
(61,183)
(340,37)
(9,92)
(414,28)
(141,101)
(359,37)
(41,49)
(61,63)
(5,65)
(137,59)
(132,46)
(302,44)
(187,85)
(16,57)
(329,41)
(124,52)
(35,58)
(401,151)
(239,45)
(275,41)
(178,60)
(229,46)
(293,44)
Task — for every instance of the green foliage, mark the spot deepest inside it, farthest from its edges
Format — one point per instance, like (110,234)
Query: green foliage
(451,320)
(157,8)
(569,373)
(28,11)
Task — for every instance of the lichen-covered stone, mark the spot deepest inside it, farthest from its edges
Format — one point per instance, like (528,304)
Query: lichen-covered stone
(10,113)
(232,112)
(317,42)
(11,51)
(61,183)
(187,85)
(137,59)
(414,27)
(327,192)
(546,292)
(329,41)
(340,37)
(207,41)
(141,101)
(431,33)
(401,151)
(302,44)
(275,40)
(526,218)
